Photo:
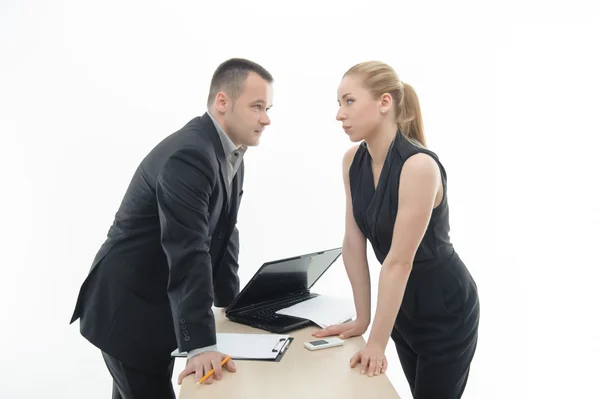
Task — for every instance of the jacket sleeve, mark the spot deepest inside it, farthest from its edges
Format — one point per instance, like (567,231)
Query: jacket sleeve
(227,284)
(183,191)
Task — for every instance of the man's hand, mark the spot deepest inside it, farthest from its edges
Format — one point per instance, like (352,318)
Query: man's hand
(344,330)
(203,363)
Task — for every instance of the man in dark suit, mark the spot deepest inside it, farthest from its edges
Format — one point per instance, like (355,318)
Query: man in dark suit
(171,252)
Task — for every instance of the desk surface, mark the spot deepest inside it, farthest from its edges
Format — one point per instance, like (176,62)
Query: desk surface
(301,373)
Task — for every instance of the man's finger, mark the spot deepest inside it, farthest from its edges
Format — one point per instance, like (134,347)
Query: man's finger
(189,369)
(230,365)
(207,365)
(218,374)
(200,372)
(354,360)
(385,365)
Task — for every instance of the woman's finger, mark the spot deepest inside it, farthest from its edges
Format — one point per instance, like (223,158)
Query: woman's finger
(372,365)
(352,332)
(328,331)
(364,363)
(379,366)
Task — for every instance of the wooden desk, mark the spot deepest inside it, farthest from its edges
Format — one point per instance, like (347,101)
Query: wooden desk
(300,373)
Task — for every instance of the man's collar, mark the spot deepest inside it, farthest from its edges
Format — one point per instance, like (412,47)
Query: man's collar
(228,145)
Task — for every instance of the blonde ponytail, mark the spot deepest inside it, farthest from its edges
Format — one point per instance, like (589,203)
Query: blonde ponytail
(410,120)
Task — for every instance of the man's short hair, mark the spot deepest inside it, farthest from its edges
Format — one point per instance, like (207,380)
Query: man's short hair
(231,75)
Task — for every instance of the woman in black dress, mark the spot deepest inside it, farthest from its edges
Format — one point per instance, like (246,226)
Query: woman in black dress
(396,197)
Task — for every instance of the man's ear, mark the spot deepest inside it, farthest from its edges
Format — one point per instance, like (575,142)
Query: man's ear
(222,102)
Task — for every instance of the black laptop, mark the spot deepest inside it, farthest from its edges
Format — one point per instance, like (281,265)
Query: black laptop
(277,285)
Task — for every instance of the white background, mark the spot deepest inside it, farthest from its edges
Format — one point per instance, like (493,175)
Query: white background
(509,95)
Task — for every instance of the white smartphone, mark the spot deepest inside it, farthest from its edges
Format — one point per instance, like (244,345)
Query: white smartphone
(323,343)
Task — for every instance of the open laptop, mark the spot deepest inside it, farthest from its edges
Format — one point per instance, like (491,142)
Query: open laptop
(277,285)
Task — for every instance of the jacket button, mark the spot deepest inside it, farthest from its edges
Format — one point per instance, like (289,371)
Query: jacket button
(182,321)
(186,339)
(221,235)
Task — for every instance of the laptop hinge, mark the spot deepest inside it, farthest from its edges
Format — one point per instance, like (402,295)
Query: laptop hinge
(297,294)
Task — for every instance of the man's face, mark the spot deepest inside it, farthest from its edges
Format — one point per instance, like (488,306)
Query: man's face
(247,117)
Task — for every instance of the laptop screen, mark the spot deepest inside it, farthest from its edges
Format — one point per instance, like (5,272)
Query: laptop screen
(284,277)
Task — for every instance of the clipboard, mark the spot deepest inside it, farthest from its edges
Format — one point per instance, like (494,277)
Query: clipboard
(253,347)
(284,348)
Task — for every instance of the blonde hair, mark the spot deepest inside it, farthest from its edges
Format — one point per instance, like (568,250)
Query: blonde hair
(380,78)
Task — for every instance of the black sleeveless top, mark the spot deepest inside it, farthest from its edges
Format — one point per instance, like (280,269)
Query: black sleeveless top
(375,209)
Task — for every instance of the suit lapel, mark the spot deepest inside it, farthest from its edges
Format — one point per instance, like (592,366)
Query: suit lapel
(235,195)
(232,194)
(223,173)
(220,152)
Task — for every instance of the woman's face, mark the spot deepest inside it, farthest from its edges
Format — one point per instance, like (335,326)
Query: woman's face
(359,112)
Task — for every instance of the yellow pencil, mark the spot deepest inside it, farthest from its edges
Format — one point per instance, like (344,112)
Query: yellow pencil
(211,372)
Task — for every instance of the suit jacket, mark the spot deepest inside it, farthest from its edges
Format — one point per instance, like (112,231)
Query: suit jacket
(170,254)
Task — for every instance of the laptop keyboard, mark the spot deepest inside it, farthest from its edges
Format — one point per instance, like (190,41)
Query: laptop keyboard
(268,312)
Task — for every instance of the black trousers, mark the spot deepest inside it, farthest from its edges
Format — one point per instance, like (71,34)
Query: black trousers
(436,330)
(129,383)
